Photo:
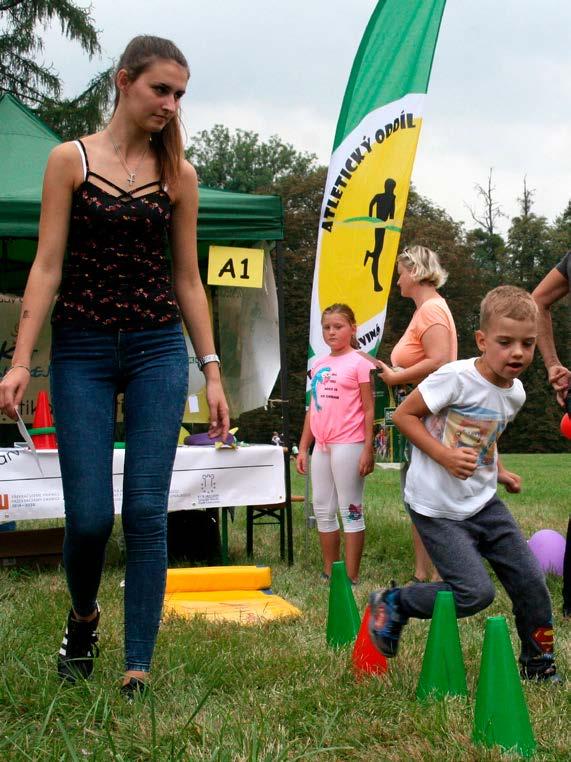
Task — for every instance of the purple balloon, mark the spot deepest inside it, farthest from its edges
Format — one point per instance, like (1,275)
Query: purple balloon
(548,547)
(203,439)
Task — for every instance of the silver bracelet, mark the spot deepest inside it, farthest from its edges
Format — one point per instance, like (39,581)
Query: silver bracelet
(202,361)
(17,365)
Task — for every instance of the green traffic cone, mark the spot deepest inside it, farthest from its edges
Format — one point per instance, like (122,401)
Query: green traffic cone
(343,620)
(443,672)
(501,717)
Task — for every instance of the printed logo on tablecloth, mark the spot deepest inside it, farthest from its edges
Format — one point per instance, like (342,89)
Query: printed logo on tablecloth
(208,494)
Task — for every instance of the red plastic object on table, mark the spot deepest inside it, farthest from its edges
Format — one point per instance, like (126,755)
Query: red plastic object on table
(42,420)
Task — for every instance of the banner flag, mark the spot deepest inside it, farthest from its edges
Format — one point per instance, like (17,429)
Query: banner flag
(369,174)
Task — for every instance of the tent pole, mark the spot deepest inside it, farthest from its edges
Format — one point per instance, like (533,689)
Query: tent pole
(4,261)
(284,394)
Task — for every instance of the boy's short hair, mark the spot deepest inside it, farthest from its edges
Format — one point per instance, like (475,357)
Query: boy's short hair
(507,301)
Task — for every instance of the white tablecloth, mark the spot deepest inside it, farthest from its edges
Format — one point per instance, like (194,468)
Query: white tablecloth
(203,477)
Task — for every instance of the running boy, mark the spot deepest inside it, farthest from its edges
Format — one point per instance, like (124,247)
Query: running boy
(454,419)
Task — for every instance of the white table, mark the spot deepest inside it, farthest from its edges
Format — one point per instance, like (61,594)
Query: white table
(203,477)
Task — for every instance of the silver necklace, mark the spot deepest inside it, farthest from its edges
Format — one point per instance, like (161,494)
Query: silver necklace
(131,173)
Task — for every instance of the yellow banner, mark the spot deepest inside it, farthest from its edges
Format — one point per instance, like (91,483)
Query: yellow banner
(359,241)
(362,214)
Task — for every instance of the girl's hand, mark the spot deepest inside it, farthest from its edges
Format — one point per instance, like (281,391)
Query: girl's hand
(367,461)
(387,374)
(511,481)
(301,462)
(12,388)
(218,407)
(461,462)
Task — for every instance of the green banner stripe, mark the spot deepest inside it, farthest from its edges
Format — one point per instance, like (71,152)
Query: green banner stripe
(394,58)
(372,221)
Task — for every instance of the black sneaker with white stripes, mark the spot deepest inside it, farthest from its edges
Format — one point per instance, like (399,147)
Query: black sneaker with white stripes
(78,648)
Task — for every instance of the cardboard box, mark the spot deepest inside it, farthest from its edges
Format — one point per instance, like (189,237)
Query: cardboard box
(31,547)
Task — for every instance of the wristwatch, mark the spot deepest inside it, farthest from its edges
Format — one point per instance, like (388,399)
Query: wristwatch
(202,361)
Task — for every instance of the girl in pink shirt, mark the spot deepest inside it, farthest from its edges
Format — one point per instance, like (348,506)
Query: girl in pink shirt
(340,420)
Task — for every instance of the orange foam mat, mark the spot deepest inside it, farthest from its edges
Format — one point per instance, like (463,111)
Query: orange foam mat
(212,578)
(242,606)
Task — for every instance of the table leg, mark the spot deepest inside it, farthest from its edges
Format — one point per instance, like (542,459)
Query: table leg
(224,536)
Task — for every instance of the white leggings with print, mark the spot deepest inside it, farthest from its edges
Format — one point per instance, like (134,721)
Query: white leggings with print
(337,486)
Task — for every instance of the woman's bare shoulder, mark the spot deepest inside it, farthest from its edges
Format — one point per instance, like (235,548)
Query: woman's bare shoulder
(65,152)
(187,186)
(188,173)
(64,162)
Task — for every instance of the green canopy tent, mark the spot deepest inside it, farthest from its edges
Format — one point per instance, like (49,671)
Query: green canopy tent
(25,143)
(223,218)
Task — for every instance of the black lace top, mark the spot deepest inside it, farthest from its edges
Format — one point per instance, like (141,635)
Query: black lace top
(116,274)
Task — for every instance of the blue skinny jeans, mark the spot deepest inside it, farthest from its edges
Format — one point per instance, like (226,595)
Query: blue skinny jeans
(88,369)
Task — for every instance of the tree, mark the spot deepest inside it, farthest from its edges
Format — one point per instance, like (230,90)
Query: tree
(38,85)
(242,162)
(73,117)
(489,248)
(492,211)
(561,233)
(20,44)
(529,249)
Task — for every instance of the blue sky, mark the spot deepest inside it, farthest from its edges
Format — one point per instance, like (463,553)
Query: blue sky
(500,93)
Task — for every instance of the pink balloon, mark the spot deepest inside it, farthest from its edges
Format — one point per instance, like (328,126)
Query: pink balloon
(548,547)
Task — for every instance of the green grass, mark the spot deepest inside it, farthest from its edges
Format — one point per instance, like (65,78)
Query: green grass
(275,691)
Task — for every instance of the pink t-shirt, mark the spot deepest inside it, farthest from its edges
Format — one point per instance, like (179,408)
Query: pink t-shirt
(409,350)
(337,415)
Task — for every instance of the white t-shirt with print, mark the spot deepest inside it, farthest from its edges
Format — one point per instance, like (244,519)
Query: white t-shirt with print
(467,411)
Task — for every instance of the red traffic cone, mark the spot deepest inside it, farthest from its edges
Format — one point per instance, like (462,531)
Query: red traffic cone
(366,659)
(43,420)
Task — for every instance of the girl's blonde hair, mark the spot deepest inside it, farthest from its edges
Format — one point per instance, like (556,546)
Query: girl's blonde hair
(343,309)
(424,265)
(139,54)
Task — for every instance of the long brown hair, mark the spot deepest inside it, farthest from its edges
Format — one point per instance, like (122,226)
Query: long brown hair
(348,314)
(139,54)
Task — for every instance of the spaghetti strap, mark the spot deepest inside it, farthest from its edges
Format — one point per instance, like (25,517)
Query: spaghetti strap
(84,159)
(111,184)
(124,193)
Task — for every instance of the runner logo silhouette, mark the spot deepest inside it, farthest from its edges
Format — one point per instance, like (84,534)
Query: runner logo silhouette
(382,207)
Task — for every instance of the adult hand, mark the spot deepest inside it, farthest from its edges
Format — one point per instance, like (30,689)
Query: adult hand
(560,378)
(511,481)
(301,462)
(367,461)
(387,374)
(460,461)
(12,388)
(218,407)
